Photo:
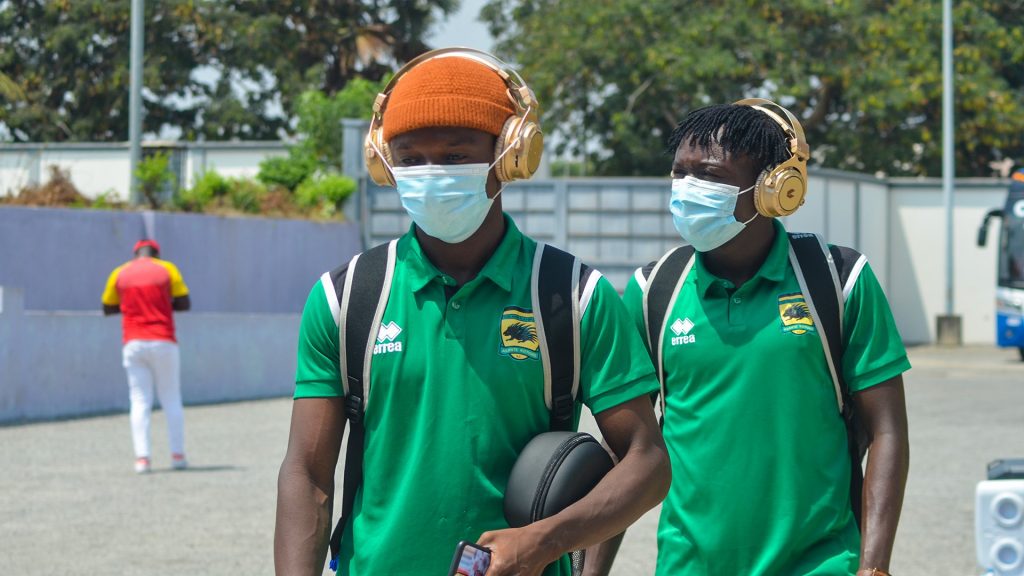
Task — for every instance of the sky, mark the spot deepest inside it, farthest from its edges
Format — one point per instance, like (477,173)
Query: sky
(463,29)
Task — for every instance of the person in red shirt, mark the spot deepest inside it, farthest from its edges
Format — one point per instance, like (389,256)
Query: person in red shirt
(146,291)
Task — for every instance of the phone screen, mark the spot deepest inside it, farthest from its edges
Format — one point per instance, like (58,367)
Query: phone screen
(470,560)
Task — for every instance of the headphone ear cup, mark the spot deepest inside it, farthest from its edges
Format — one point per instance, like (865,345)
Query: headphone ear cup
(761,195)
(790,191)
(376,166)
(501,168)
(780,191)
(527,141)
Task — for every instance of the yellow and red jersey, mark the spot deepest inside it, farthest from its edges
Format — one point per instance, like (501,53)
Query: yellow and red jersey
(144,289)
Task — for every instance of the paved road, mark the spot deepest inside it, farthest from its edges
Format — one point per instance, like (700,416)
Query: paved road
(69,502)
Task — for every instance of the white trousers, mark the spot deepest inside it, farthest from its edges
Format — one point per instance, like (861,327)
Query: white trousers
(154,364)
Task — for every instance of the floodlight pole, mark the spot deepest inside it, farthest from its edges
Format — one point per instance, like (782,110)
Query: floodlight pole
(948,327)
(135,98)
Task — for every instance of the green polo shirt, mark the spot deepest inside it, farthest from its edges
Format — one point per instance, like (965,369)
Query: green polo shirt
(760,472)
(453,400)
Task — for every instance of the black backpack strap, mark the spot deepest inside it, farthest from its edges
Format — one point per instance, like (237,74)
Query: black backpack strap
(660,293)
(819,281)
(364,298)
(819,269)
(556,305)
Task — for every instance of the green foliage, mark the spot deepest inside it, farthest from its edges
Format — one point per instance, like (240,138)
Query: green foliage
(153,177)
(319,118)
(106,200)
(288,171)
(865,77)
(245,195)
(327,190)
(69,62)
(570,169)
(208,187)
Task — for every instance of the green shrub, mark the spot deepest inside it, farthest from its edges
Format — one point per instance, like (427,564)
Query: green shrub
(328,189)
(106,200)
(209,187)
(154,177)
(245,194)
(288,172)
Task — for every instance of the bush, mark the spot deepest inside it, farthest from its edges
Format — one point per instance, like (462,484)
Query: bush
(288,172)
(329,190)
(153,177)
(246,194)
(106,201)
(209,187)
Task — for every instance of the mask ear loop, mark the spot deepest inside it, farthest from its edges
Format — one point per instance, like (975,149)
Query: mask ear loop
(755,211)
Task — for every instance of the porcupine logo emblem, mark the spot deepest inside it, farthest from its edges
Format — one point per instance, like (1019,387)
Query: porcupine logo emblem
(795,314)
(518,332)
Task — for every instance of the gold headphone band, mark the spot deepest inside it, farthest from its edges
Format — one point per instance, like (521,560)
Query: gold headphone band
(791,125)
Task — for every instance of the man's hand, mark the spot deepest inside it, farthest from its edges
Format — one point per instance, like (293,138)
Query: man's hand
(518,551)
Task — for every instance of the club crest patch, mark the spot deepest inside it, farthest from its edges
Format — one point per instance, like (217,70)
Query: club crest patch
(795,314)
(518,334)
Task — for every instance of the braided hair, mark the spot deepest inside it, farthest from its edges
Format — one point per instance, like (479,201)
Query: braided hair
(739,130)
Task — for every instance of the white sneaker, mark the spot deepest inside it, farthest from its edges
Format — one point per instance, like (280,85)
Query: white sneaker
(142,466)
(178,462)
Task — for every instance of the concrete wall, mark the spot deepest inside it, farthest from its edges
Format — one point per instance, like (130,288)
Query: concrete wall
(918,259)
(103,168)
(62,257)
(64,364)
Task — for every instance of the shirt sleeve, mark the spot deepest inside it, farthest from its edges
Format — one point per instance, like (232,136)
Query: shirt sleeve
(633,299)
(318,371)
(178,287)
(110,295)
(615,367)
(874,350)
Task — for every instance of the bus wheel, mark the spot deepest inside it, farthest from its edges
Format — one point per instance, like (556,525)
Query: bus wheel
(1021,350)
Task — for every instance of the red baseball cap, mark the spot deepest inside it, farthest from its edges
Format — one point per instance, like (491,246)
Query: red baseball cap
(147,242)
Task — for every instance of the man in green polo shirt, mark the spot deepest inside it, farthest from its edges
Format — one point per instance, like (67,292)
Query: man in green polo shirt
(761,472)
(457,379)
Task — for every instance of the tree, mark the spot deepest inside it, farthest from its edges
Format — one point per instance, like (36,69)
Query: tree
(319,116)
(69,61)
(865,77)
(215,69)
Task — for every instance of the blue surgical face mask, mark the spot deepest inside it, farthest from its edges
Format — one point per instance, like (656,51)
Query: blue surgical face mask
(447,201)
(702,212)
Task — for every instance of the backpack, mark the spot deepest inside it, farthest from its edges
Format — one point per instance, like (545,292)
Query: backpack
(826,275)
(555,290)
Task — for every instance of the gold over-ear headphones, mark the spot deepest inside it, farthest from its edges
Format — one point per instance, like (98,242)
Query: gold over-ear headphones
(779,191)
(521,134)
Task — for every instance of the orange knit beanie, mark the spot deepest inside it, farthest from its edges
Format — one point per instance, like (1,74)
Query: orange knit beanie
(449,91)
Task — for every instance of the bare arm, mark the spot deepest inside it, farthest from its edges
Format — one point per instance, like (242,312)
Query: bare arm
(884,414)
(600,557)
(305,486)
(633,487)
(181,303)
(109,310)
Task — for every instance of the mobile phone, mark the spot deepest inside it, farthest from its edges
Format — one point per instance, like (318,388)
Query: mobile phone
(470,560)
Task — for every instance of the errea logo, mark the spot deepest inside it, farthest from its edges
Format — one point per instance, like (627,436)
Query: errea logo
(681,329)
(386,339)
